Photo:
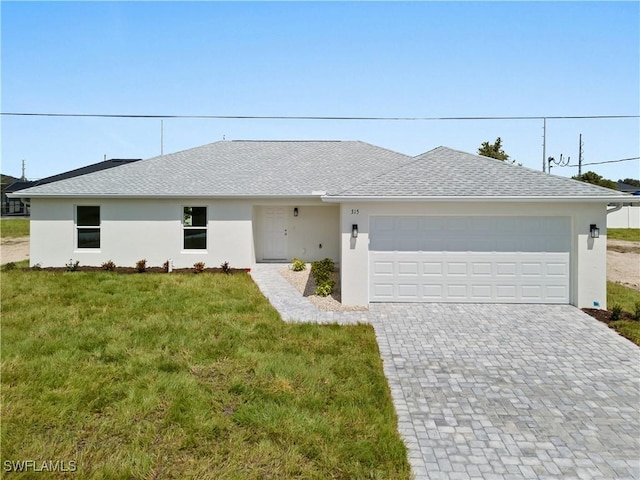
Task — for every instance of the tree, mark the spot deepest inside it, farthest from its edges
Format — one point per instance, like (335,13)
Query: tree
(595,179)
(494,150)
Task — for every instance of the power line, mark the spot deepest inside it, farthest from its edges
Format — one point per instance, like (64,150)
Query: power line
(608,161)
(295,117)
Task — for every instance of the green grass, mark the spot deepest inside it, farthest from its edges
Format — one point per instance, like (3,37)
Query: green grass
(627,298)
(10,228)
(628,234)
(187,376)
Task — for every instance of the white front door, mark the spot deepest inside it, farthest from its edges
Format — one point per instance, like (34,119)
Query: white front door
(275,233)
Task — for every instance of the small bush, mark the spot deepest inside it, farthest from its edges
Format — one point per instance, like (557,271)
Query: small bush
(226,268)
(37,266)
(141,265)
(325,289)
(636,313)
(298,265)
(72,266)
(109,266)
(8,266)
(616,311)
(322,272)
(198,267)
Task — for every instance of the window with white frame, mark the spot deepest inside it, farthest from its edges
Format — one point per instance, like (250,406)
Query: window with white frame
(194,227)
(88,226)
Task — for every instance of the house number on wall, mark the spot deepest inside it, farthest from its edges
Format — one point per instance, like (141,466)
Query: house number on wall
(355,211)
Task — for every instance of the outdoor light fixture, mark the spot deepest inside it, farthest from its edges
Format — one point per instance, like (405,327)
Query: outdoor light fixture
(354,230)
(295,211)
(594,230)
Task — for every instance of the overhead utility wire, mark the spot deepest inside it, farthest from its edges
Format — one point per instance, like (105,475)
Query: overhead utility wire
(294,117)
(600,163)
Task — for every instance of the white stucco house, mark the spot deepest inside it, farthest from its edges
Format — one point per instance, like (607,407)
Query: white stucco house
(445,226)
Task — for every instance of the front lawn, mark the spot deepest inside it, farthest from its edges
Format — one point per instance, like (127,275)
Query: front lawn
(628,234)
(11,228)
(627,298)
(186,376)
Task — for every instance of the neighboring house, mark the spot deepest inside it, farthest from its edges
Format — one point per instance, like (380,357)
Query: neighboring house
(445,226)
(12,206)
(626,188)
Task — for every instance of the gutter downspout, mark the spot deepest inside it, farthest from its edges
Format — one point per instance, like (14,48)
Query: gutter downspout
(617,207)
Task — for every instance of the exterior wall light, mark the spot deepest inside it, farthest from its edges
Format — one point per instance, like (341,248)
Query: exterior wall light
(354,230)
(594,231)
(295,211)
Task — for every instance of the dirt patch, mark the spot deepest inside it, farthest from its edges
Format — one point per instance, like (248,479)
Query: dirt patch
(623,263)
(14,249)
(623,246)
(304,283)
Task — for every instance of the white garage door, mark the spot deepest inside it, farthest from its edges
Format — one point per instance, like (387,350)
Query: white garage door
(469,259)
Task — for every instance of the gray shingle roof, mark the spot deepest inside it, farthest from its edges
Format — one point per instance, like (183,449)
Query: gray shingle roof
(237,168)
(342,169)
(444,172)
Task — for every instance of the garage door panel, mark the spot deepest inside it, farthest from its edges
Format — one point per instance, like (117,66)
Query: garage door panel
(408,291)
(455,292)
(481,269)
(408,268)
(383,268)
(432,268)
(506,269)
(557,269)
(383,291)
(463,260)
(481,292)
(529,269)
(456,268)
(432,292)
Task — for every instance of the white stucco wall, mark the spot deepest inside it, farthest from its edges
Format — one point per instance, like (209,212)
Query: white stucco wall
(135,229)
(627,217)
(588,256)
(313,235)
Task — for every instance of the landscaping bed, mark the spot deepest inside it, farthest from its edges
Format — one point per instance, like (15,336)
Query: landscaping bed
(624,311)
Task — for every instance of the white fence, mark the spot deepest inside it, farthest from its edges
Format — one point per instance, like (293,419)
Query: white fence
(627,217)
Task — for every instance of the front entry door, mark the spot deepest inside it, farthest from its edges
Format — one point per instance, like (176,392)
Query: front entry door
(275,233)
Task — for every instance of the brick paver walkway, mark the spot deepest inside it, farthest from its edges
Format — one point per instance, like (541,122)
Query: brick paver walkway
(499,391)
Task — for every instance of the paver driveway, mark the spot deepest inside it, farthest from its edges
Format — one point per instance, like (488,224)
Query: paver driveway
(500,391)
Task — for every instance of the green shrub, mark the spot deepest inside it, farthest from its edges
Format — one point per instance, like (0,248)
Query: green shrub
(198,267)
(325,289)
(616,311)
(141,265)
(298,265)
(226,268)
(322,272)
(72,266)
(8,267)
(109,266)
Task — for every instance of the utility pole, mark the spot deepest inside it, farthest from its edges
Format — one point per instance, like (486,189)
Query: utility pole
(161,137)
(23,178)
(544,146)
(580,144)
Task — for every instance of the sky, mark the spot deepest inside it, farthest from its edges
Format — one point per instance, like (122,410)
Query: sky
(335,59)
